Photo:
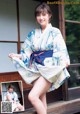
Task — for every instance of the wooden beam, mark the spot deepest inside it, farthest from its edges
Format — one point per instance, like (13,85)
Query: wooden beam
(4,41)
(70,21)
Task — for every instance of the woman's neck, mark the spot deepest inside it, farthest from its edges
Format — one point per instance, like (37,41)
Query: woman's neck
(44,27)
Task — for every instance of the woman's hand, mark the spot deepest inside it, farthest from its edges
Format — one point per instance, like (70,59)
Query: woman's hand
(11,55)
(67,65)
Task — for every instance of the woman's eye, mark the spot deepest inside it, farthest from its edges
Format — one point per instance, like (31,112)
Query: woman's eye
(44,14)
(38,15)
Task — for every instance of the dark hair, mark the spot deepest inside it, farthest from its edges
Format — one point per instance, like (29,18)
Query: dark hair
(43,8)
(10,86)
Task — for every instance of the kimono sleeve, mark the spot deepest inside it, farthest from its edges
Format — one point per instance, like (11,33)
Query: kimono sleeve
(26,48)
(15,96)
(60,54)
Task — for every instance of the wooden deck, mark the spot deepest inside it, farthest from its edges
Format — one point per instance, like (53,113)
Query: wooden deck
(61,107)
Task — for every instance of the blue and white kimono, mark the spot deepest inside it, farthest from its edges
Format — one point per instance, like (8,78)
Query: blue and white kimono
(54,68)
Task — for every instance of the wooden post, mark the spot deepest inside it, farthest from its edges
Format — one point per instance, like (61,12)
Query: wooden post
(62,29)
(18,25)
(62,19)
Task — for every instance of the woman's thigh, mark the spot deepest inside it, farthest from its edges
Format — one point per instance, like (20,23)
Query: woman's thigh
(40,86)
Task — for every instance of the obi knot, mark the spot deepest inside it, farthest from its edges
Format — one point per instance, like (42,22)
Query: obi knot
(39,56)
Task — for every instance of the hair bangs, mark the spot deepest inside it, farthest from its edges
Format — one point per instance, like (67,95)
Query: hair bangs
(40,11)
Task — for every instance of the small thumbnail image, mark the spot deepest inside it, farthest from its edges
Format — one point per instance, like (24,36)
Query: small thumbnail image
(12,99)
(6,107)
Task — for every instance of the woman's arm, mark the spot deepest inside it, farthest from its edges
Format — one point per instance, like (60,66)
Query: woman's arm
(8,97)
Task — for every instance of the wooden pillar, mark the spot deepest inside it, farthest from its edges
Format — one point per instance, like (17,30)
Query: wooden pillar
(62,29)
(62,19)
(18,26)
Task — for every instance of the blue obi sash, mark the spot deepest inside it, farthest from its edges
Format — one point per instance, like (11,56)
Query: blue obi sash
(39,56)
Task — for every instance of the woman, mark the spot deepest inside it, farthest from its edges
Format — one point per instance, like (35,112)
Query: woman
(43,59)
(11,95)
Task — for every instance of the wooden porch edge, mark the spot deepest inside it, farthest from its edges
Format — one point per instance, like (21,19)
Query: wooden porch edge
(64,107)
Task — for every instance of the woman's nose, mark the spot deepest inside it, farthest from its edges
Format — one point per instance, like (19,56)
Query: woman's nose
(41,17)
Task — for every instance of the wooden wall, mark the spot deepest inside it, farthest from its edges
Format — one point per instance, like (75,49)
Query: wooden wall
(13,76)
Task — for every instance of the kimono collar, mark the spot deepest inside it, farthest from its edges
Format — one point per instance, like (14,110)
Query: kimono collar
(47,27)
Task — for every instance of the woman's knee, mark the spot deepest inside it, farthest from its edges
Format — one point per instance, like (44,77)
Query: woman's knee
(29,97)
(32,98)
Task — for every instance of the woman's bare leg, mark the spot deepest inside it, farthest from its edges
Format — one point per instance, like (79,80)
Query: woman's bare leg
(44,101)
(42,98)
(40,87)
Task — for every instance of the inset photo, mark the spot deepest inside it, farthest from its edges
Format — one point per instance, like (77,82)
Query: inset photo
(12,97)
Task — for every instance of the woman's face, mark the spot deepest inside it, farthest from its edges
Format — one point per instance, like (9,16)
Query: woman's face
(43,19)
(10,90)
